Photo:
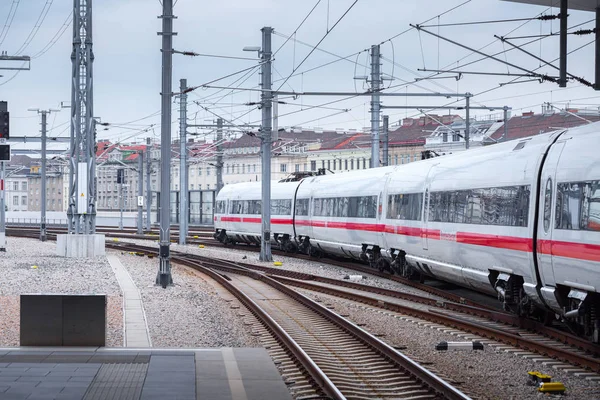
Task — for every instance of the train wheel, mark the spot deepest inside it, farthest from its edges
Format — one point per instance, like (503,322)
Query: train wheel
(383,265)
(315,252)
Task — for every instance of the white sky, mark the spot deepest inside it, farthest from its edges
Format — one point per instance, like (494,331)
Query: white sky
(127,68)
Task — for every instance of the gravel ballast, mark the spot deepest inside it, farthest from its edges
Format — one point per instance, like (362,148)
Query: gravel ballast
(188,314)
(53,275)
(314,267)
(487,374)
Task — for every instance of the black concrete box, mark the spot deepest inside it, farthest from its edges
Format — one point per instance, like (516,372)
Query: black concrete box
(63,320)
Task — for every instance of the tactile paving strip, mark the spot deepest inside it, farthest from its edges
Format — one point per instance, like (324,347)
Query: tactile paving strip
(118,381)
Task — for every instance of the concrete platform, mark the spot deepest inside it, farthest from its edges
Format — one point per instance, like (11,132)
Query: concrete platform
(136,333)
(147,374)
(81,246)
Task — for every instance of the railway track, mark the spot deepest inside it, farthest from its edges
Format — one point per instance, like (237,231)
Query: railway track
(343,360)
(445,310)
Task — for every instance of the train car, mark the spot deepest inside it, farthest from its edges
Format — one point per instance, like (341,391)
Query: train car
(238,213)
(477,219)
(568,232)
(340,214)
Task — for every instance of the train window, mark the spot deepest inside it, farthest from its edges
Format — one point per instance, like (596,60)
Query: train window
(578,206)
(220,207)
(405,206)
(506,206)
(302,207)
(281,207)
(547,205)
(346,207)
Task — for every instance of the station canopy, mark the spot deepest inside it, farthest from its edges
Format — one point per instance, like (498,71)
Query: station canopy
(583,5)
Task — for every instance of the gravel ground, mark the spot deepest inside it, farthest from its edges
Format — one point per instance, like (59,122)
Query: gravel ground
(188,314)
(316,267)
(487,374)
(53,274)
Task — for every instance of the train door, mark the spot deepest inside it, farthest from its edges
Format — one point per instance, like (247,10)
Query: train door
(549,202)
(424,218)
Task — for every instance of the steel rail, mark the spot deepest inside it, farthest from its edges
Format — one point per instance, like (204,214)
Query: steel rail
(420,373)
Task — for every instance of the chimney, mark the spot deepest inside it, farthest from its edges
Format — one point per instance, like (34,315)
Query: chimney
(528,114)
(447,119)
(407,122)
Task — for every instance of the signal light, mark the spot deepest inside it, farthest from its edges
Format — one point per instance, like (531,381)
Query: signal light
(4,125)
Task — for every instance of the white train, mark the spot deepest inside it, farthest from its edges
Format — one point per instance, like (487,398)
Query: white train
(519,219)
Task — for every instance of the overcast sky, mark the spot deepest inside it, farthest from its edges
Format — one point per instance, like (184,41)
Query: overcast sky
(127,68)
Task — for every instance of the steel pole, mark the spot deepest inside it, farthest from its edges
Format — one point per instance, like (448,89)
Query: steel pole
(375,104)
(148,188)
(266,97)
(121,205)
(140,226)
(467,121)
(597,52)
(183,184)
(164,274)
(2,206)
(219,155)
(44,199)
(562,72)
(386,140)
(505,133)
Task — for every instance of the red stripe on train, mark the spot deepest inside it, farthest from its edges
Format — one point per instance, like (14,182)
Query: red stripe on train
(231,219)
(502,242)
(582,251)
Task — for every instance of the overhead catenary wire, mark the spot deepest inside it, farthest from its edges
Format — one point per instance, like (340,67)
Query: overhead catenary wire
(36,27)
(320,41)
(63,28)
(9,19)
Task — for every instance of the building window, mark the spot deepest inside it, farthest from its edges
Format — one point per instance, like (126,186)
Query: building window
(297,168)
(15,200)
(283,167)
(444,136)
(313,165)
(199,171)
(352,163)
(243,168)
(24,200)
(329,164)
(396,159)
(346,164)
(364,163)
(207,171)
(304,167)
(192,186)
(15,186)
(455,137)
(208,186)
(24,186)
(322,163)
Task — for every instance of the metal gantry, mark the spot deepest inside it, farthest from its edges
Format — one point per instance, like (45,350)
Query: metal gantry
(81,212)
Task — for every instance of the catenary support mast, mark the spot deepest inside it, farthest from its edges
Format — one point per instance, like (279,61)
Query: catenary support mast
(375,104)
(164,273)
(266,99)
(183,176)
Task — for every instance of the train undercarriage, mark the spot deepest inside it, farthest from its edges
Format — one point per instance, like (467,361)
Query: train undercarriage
(580,311)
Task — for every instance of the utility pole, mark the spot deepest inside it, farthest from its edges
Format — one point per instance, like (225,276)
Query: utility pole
(375,103)
(164,277)
(386,159)
(140,227)
(219,155)
(266,100)
(5,134)
(505,134)
(467,120)
(183,183)
(148,188)
(44,113)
